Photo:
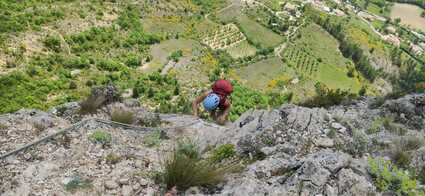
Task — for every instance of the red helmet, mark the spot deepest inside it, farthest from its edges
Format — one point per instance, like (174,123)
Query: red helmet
(222,87)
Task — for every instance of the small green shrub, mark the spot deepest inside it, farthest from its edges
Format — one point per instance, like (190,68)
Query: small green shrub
(359,145)
(2,126)
(222,152)
(73,85)
(122,116)
(112,158)
(185,171)
(387,177)
(74,62)
(109,65)
(133,61)
(400,158)
(331,133)
(39,127)
(52,43)
(388,124)
(375,127)
(152,139)
(402,148)
(78,183)
(412,142)
(101,137)
(176,55)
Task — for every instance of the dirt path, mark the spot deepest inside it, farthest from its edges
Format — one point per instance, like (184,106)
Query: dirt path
(280,48)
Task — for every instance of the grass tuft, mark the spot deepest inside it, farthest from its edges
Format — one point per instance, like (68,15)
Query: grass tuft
(78,183)
(122,116)
(101,137)
(112,158)
(3,127)
(39,127)
(91,104)
(152,139)
(184,169)
(402,147)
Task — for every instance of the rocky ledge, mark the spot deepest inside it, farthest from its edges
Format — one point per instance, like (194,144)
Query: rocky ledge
(293,150)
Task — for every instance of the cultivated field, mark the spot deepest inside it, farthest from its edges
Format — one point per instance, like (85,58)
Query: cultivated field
(161,52)
(163,25)
(255,32)
(224,37)
(316,56)
(409,15)
(258,75)
(241,50)
(258,33)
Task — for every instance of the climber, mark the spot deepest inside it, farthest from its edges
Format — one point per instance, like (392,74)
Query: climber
(215,101)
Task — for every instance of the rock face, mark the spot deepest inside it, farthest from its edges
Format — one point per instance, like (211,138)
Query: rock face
(294,150)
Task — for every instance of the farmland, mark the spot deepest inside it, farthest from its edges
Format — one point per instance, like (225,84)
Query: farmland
(409,15)
(258,75)
(256,33)
(70,48)
(316,56)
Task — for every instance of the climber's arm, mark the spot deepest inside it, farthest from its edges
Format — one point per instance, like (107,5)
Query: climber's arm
(197,101)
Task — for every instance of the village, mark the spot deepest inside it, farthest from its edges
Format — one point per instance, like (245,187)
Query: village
(389,33)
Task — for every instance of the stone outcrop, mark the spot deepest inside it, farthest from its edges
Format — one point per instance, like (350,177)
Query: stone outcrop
(294,150)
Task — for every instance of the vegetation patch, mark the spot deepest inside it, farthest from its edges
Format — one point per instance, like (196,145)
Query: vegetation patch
(162,92)
(259,74)
(112,158)
(91,104)
(326,97)
(223,152)
(122,116)
(389,178)
(101,137)
(316,56)
(160,53)
(153,139)
(31,90)
(258,35)
(243,49)
(184,170)
(403,147)
(78,183)
(244,98)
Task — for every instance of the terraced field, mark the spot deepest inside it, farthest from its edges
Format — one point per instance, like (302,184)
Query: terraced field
(256,33)
(224,37)
(316,56)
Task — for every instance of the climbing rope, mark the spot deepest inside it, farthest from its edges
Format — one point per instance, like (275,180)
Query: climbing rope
(78,125)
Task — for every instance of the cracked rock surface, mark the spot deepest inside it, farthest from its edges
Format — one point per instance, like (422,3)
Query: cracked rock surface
(294,150)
